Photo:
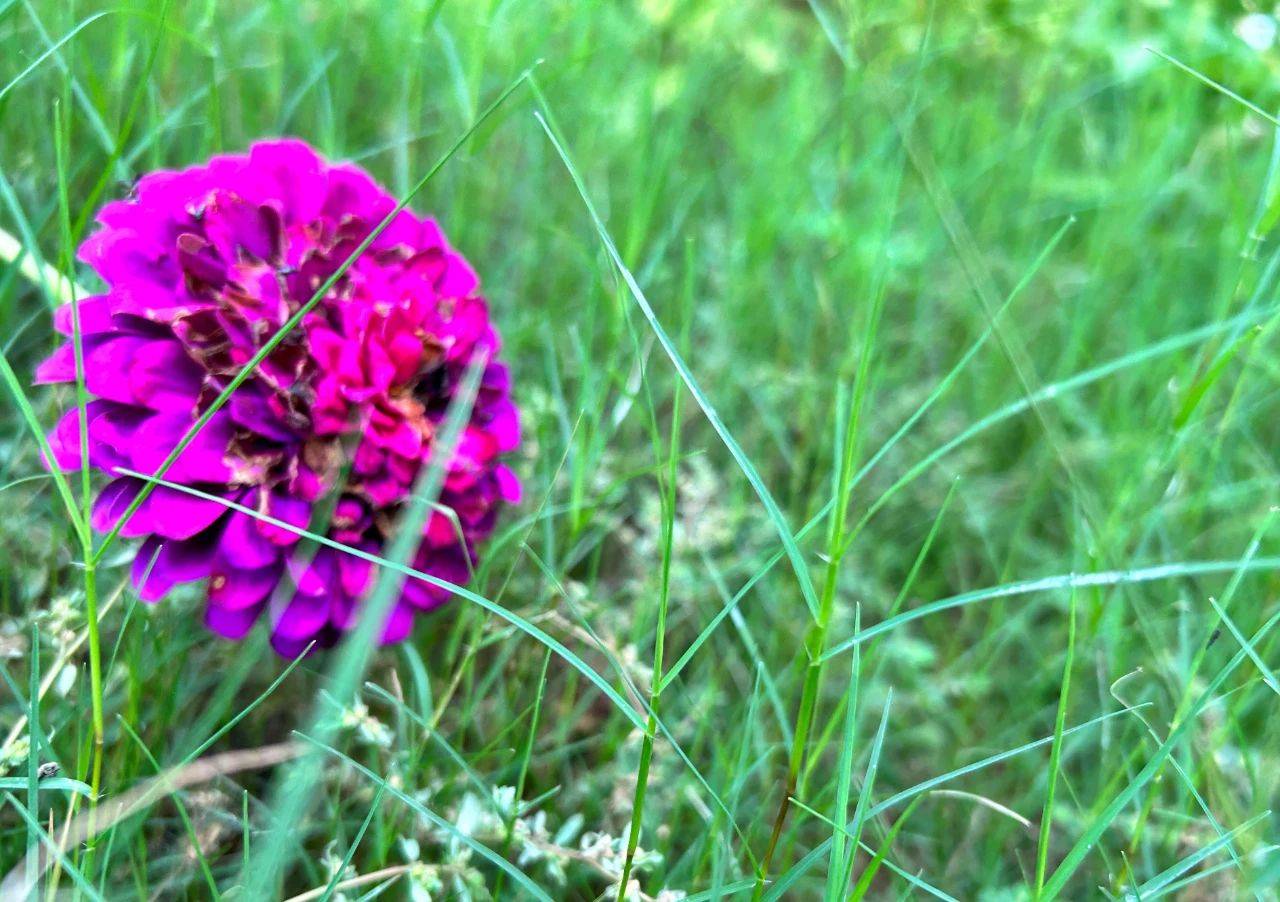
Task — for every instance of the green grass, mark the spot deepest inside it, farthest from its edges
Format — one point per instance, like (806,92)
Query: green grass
(867,351)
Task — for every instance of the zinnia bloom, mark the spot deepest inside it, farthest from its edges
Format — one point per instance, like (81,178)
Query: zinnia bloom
(202,267)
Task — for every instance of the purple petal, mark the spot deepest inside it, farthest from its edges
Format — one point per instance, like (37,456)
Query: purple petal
(291,648)
(174,562)
(459,278)
(112,502)
(204,460)
(244,546)
(94,312)
(289,510)
(231,624)
(303,617)
(235,226)
(114,430)
(399,625)
(293,175)
(234,589)
(316,577)
(123,255)
(509,489)
(106,367)
(173,515)
(64,441)
(249,408)
(504,425)
(426,596)
(497,378)
(356,575)
(163,377)
(60,366)
(353,193)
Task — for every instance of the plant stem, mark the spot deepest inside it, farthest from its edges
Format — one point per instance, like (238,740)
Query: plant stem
(659,641)
(816,638)
(95,687)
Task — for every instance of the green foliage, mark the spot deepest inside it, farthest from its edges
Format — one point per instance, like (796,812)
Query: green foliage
(936,335)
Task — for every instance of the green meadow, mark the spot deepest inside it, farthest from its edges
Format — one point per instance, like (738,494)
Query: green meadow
(900,460)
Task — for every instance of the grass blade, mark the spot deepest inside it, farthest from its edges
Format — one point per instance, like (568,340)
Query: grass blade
(776,516)
(842,860)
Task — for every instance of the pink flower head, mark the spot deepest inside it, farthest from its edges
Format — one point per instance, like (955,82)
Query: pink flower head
(202,267)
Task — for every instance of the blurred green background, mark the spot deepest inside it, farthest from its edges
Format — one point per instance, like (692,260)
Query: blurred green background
(783,179)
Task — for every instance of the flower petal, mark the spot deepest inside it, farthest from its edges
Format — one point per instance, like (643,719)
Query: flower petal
(231,623)
(203,460)
(172,514)
(235,588)
(162,564)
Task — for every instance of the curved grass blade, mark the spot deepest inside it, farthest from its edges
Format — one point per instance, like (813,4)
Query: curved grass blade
(53,50)
(1055,390)
(355,844)
(878,855)
(860,813)
(1053,583)
(1268,676)
(774,512)
(520,623)
(49,784)
(37,432)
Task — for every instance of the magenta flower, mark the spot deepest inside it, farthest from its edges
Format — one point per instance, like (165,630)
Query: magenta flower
(202,267)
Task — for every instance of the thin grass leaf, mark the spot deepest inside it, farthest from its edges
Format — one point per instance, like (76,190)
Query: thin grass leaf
(1268,675)
(860,813)
(776,517)
(842,859)
(520,623)
(1057,390)
(49,784)
(484,787)
(879,858)
(1054,583)
(37,432)
(731,603)
(51,51)
(32,781)
(1220,88)
(1200,388)
(192,836)
(332,887)
(1055,751)
(1179,885)
(878,855)
(87,108)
